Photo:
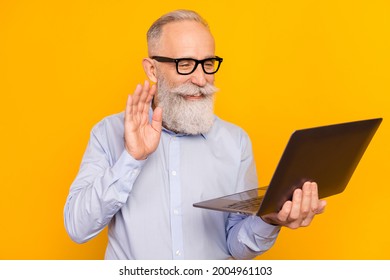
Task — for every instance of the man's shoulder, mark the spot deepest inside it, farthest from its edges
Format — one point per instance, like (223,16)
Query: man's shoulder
(114,119)
(229,128)
(110,123)
(220,123)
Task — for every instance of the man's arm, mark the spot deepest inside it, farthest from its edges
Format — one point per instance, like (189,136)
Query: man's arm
(100,190)
(252,236)
(249,236)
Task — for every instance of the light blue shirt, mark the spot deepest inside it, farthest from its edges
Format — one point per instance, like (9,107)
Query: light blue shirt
(147,204)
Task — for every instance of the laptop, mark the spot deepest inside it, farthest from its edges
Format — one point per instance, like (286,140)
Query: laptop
(327,155)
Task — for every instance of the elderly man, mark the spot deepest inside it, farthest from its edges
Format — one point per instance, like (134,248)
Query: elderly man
(144,168)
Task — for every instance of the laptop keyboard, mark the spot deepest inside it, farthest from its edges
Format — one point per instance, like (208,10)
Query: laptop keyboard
(249,204)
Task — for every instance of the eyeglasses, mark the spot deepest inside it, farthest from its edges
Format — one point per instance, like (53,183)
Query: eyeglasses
(186,66)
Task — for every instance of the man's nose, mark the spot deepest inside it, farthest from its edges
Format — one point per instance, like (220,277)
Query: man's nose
(198,77)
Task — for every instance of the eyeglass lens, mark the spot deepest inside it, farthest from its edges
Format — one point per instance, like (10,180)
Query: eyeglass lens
(186,66)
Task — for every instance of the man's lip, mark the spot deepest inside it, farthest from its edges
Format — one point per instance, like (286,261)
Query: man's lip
(193,97)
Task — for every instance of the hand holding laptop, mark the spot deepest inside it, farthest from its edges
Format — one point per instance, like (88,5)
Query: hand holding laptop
(327,155)
(300,211)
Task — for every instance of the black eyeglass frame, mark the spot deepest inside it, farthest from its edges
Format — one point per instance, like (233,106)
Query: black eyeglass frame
(197,62)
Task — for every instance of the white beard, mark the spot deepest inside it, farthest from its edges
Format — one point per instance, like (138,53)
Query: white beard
(186,116)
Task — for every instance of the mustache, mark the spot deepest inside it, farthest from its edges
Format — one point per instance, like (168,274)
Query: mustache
(191,89)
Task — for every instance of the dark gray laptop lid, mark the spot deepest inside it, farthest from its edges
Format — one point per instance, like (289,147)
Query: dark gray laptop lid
(327,155)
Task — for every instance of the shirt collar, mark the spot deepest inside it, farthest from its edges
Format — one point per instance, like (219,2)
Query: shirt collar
(204,135)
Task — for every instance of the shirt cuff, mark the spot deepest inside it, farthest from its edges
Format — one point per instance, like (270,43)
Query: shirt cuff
(262,228)
(257,235)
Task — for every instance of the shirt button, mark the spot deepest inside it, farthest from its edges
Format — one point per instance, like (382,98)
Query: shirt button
(176,212)
(174,173)
(178,253)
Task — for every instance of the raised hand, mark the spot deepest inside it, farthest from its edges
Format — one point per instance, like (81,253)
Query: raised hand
(300,211)
(141,136)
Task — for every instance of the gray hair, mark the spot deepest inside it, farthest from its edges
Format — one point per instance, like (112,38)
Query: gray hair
(155,31)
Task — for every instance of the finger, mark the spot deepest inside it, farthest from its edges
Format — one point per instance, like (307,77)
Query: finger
(129,108)
(143,97)
(306,222)
(152,92)
(314,197)
(284,213)
(157,119)
(321,206)
(149,98)
(306,199)
(296,204)
(136,97)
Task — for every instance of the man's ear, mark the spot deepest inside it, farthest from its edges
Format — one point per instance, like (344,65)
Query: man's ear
(150,69)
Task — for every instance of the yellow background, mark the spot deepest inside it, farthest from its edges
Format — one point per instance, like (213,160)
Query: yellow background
(64,65)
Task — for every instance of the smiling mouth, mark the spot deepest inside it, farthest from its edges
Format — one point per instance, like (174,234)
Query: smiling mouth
(194,97)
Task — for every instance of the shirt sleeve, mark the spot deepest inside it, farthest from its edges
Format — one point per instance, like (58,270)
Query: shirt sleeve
(100,188)
(248,236)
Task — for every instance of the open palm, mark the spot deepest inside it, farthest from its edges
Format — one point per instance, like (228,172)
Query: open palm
(141,136)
